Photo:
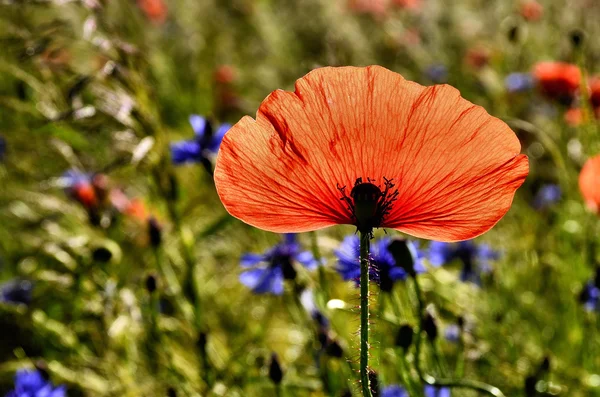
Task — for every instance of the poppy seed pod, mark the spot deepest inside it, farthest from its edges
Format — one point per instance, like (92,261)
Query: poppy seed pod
(275,370)
(404,337)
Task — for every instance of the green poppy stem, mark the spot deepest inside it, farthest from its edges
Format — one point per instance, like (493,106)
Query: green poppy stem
(364,314)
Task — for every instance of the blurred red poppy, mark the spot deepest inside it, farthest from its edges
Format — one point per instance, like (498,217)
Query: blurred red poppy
(155,10)
(225,74)
(377,8)
(409,4)
(84,193)
(531,10)
(589,183)
(557,80)
(595,94)
(363,146)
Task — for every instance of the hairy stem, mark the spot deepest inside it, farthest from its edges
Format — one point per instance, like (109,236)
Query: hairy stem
(364,314)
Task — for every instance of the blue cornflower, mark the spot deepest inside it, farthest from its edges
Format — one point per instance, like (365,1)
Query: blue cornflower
(434,391)
(206,142)
(430,391)
(452,333)
(394,391)
(590,294)
(31,383)
(437,73)
(71,178)
(518,82)
(475,258)
(16,291)
(2,147)
(383,269)
(546,196)
(275,265)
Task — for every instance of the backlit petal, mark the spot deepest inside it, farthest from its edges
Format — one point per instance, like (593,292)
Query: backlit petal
(455,166)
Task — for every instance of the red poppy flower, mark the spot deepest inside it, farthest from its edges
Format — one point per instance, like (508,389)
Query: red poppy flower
(595,93)
(531,10)
(377,8)
(557,80)
(363,146)
(589,183)
(155,10)
(84,193)
(409,4)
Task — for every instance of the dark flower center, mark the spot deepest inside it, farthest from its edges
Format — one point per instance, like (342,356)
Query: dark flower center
(368,203)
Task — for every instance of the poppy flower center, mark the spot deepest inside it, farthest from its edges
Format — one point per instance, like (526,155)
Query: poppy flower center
(368,203)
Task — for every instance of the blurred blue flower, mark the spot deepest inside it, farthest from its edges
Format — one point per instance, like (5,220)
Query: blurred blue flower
(590,294)
(394,391)
(518,82)
(206,142)
(474,257)
(71,178)
(546,196)
(383,269)
(2,147)
(452,333)
(16,291)
(429,391)
(31,383)
(437,73)
(433,391)
(271,268)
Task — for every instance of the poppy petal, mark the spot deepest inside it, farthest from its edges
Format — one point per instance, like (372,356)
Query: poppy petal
(589,183)
(455,166)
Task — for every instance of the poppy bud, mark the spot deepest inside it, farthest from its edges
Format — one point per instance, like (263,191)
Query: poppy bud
(430,327)
(154,232)
(374,383)
(403,256)
(404,337)
(151,283)
(102,254)
(545,365)
(513,34)
(202,341)
(577,36)
(530,383)
(334,349)
(42,368)
(275,371)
